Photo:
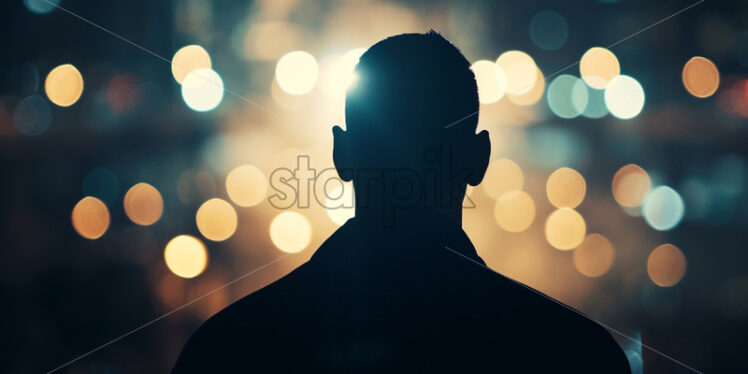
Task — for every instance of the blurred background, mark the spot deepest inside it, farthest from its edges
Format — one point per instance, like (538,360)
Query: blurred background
(136,167)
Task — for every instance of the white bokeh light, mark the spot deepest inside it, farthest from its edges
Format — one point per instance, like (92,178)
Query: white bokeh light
(624,97)
(297,72)
(202,90)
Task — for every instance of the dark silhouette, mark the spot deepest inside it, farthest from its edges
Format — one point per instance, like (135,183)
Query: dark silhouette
(397,287)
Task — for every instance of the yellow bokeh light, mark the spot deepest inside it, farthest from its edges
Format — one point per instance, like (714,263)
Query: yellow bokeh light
(216,219)
(533,95)
(594,257)
(631,185)
(666,265)
(565,229)
(296,72)
(186,256)
(340,203)
(202,90)
(246,185)
(700,77)
(514,211)
(520,70)
(290,232)
(491,81)
(90,217)
(503,175)
(188,59)
(64,85)
(566,188)
(598,67)
(143,204)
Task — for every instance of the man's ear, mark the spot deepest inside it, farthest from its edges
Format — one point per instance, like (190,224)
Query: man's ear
(341,153)
(480,155)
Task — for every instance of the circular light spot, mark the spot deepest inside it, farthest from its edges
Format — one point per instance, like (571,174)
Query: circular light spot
(64,85)
(663,208)
(216,219)
(548,30)
(491,81)
(567,96)
(514,211)
(246,185)
(631,185)
(520,71)
(624,97)
(666,265)
(598,67)
(296,72)
(594,256)
(32,115)
(290,232)
(565,229)
(566,188)
(188,59)
(340,203)
(533,96)
(143,204)
(90,218)
(701,77)
(186,256)
(202,90)
(503,175)
(41,6)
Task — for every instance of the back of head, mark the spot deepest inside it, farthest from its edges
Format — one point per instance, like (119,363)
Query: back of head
(409,88)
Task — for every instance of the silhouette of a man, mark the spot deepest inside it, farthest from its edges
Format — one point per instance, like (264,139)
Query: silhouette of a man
(389,290)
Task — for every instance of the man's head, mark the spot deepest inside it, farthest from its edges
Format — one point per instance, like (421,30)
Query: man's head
(415,102)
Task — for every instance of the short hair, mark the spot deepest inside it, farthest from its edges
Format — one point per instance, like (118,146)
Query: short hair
(411,86)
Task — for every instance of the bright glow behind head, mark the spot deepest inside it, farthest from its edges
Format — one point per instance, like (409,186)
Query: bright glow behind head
(491,81)
(202,90)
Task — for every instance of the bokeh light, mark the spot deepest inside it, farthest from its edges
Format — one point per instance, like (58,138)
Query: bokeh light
(143,204)
(202,90)
(520,71)
(246,185)
(290,232)
(594,257)
(548,30)
(296,72)
(598,67)
(514,211)
(700,77)
(90,217)
(595,104)
(340,203)
(624,97)
(663,208)
(188,59)
(491,81)
(32,115)
(566,188)
(185,256)
(565,229)
(216,219)
(533,95)
(503,175)
(567,96)
(631,185)
(41,6)
(666,265)
(64,85)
